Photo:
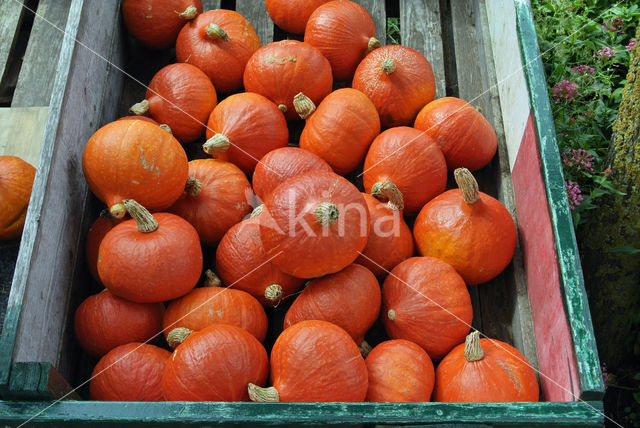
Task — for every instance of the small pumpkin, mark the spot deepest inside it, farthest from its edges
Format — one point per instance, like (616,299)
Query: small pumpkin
(349,299)
(181,96)
(316,223)
(390,239)
(215,364)
(407,161)
(147,119)
(292,15)
(424,300)
(399,372)
(105,321)
(399,80)
(202,307)
(344,32)
(242,263)
(466,138)
(243,128)
(133,159)
(280,164)
(218,42)
(99,228)
(485,370)
(155,23)
(281,70)
(16,181)
(468,229)
(150,258)
(341,129)
(217,196)
(130,372)
(314,361)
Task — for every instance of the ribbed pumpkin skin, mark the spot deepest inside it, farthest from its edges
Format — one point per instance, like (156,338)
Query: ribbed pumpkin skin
(466,138)
(155,23)
(399,372)
(96,233)
(349,299)
(181,96)
(280,164)
(398,97)
(202,307)
(431,303)
(103,322)
(133,159)
(299,244)
(16,181)
(478,240)
(151,267)
(341,30)
(390,239)
(292,15)
(254,126)
(341,129)
(131,372)
(281,70)
(242,263)
(503,375)
(215,364)
(409,159)
(222,202)
(223,61)
(318,361)
(143,118)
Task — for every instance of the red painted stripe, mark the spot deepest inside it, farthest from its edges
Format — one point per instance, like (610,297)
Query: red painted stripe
(559,378)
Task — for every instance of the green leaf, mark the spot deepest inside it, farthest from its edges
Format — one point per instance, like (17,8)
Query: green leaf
(625,249)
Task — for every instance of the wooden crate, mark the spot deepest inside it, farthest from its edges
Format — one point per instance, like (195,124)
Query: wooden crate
(484,51)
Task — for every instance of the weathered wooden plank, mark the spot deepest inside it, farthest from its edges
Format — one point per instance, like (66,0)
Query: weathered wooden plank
(210,5)
(11,13)
(424,34)
(256,13)
(39,381)
(376,9)
(41,57)
(21,130)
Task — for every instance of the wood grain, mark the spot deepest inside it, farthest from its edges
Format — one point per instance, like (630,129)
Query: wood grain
(256,13)
(376,9)
(21,130)
(210,5)
(11,13)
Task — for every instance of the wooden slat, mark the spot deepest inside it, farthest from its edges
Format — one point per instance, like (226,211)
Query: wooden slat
(210,5)
(41,57)
(11,13)
(424,35)
(21,130)
(39,381)
(376,9)
(256,13)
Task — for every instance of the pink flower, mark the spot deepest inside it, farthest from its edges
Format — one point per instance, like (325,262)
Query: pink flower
(573,193)
(606,52)
(613,24)
(578,158)
(631,44)
(565,90)
(582,69)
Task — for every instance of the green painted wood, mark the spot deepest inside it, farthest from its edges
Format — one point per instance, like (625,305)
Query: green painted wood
(39,381)
(199,413)
(577,305)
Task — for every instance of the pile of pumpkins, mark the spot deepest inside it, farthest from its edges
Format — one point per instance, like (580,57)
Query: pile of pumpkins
(299,230)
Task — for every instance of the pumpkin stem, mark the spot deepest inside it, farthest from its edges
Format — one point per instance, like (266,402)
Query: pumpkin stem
(388,66)
(166,128)
(391,314)
(256,211)
(144,220)
(283,108)
(117,210)
(216,144)
(373,44)
(211,279)
(177,336)
(273,293)
(326,213)
(365,348)
(193,186)
(303,105)
(386,190)
(140,108)
(472,349)
(189,13)
(467,184)
(262,395)
(214,31)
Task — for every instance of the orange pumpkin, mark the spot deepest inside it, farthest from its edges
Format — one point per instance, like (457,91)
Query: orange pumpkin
(103,224)
(468,229)
(217,196)
(424,300)
(485,370)
(16,181)
(218,42)
(292,15)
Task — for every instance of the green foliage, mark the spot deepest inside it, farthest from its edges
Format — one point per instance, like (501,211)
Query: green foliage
(393,31)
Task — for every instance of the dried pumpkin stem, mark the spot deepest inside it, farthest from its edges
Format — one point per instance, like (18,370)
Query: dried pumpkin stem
(472,349)
(211,279)
(326,213)
(467,185)
(140,108)
(373,44)
(217,144)
(189,13)
(391,314)
(144,220)
(273,293)
(283,108)
(117,211)
(177,336)
(215,32)
(257,211)
(388,66)
(365,348)
(303,105)
(193,186)
(387,191)
(262,395)
(166,128)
